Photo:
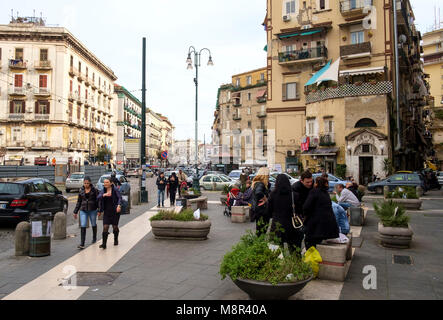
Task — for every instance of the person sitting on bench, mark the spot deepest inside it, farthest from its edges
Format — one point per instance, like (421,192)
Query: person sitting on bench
(346,199)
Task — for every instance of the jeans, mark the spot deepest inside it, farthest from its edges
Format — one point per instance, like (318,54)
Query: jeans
(84,218)
(345,205)
(161,194)
(172,194)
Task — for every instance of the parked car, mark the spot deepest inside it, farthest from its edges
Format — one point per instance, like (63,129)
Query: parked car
(235,174)
(125,190)
(74,181)
(397,180)
(333,180)
(440,177)
(21,196)
(133,172)
(207,182)
(292,180)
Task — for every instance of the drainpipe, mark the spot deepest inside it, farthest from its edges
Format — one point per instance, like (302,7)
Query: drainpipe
(397,75)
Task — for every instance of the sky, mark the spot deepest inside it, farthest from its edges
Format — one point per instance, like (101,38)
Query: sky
(113,31)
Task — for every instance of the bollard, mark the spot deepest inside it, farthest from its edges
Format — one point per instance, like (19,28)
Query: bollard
(60,226)
(135,199)
(419,191)
(385,191)
(22,234)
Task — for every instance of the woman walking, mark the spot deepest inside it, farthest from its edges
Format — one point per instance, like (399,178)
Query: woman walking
(173,185)
(87,204)
(320,223)
(109,201)
(260,194)
(281,208)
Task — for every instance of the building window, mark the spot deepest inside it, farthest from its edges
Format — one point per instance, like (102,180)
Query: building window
(248,80)
(41,134)
(290,91)
(16,134)
(262,76)
(249,124)
(249,111)
(249,96)
(70,86)
(42,107)
(43,81)
(290,7)
(17,106)
(87,71)
(322,4)
(237,82)
(79,67)
(357,37)
(18,80)
(19,54)
(365,123)
(329,126)
(43,54)
(366,148)
(0,54)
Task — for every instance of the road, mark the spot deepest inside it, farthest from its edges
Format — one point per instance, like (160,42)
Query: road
(7,229)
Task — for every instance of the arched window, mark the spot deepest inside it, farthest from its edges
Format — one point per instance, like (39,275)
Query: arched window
(365,123)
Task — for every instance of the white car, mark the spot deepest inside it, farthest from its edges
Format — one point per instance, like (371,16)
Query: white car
(292,180)
(235,174)
(440,177)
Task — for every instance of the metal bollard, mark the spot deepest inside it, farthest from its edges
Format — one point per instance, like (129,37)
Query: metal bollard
(22,236)
(60,226)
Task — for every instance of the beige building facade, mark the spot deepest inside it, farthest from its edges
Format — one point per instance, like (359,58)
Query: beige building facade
(56,96)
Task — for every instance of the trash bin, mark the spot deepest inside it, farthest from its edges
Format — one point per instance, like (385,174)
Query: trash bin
(40,240)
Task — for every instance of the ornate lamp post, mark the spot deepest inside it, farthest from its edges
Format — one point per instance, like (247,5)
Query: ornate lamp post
(197,56)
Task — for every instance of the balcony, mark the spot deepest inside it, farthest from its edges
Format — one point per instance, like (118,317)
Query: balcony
(261,114)
(17,64)
(350,8)
(327,139)
(313,141)
(16,116)
(17,91)
(42,65)
(303,56)
(42,92)
(261,100)
(40,144)
(41,117)
(355,51)
(93,86)
(87,81)
(350,90)
(80,77)
(236,117)
(73,71)
(15,144)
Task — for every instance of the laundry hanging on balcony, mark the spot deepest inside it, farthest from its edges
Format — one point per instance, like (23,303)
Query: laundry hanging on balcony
(327,73)
(305,144)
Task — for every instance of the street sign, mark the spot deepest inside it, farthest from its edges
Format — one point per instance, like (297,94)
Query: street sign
(164,155)
(132,150)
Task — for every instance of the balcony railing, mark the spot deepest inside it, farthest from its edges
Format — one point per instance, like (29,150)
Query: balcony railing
(41,117)
(313,141)
(43,65)
(236,117)
(18,91)
(42,92)
(350,90)
(352,7)
(352,49)
(73,71)
(305,55)
(16,116)
(327,139)
(261,114)
(17,64)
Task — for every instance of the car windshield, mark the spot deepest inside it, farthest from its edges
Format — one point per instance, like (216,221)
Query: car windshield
(10,188)
(224,179)
(235,174)
(102,179)
(76,176)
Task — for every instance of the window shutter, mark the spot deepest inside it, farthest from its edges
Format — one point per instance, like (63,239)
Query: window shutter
(36,107)
(43,81)
(48,110)
(297,93)
(23,106)
(11,107)
(70,86)
(284,91)
(18,83)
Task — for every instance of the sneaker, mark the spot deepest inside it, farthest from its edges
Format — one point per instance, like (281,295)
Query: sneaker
(80,247)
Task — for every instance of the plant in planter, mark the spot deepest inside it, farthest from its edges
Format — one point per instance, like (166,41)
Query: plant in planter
(406,196)
(394,230)
(224,194)
(180,226)
(263,269)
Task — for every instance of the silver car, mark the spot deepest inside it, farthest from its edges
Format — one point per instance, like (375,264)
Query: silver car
(211,181)
(74,181)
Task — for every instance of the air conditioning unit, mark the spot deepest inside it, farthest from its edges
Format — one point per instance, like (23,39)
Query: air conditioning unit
(291,153)
(307,26)
(286,18)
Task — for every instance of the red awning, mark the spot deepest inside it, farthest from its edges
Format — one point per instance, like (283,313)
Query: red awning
(261,93)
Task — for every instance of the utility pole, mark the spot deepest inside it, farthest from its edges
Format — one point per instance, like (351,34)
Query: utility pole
(143,193)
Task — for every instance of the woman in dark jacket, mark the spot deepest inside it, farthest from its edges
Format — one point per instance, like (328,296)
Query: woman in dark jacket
(260,194)
(109,204)
(87,204)
(320,223)
(173,185)
(281,210)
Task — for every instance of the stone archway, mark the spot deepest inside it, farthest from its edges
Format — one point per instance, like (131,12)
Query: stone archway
(366,149)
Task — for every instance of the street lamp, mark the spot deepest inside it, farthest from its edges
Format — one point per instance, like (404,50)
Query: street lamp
(197,56)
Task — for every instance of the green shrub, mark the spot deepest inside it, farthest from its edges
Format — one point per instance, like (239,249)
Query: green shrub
(406,192)
(334,198)
(389,218)
(252,259)
(195,191)
(226,189)
(185,215)
(341,171)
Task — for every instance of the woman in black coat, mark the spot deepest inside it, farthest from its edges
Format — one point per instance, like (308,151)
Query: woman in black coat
(260,194)
(320,223)
(173,185)
(109,204)
(281,209)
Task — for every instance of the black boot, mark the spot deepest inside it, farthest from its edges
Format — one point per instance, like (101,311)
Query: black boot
(82,238)
(94,234)
(105,239)
(116,237)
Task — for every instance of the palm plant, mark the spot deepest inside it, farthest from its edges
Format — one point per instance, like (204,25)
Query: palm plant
(392,214)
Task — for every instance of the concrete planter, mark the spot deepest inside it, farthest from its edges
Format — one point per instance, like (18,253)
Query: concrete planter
(181,230)
(408,204)
(395,237)
(198,203)
(258,290)
(239,214)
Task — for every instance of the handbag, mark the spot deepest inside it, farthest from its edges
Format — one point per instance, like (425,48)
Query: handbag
(297,222)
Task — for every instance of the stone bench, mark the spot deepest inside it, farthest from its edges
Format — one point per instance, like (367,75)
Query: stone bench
(336,260)
(240,214)
(357,215)
(198,203)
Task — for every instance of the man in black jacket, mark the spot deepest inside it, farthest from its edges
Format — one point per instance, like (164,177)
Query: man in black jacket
(161,185)
(301,191)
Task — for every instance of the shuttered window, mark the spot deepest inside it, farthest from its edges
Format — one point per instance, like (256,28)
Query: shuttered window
(18,80)
(42,107)
(17,106)
(43,81)
(290,91)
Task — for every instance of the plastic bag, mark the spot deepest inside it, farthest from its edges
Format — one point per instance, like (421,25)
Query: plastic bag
(312,256)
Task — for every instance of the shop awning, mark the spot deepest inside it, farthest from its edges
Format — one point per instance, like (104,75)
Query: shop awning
(299,33)
(261,93)
(315,77)
(354,72)
(321,152)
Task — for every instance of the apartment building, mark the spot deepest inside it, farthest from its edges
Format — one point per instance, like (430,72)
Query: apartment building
(331,92)
(56,96)
(153,137)
(433,65)
(240,119)
(167,133)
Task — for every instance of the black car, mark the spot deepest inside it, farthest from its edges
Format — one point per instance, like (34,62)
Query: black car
(21,196)
(399,179)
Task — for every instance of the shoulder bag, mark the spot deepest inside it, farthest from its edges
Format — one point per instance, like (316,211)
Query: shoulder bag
(297,222)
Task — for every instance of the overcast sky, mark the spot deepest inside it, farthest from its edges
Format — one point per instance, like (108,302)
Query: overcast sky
(113,31)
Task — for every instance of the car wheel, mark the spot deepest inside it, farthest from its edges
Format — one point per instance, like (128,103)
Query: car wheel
(379,190)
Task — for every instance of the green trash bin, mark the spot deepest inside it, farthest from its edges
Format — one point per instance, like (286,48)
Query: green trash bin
(40,239)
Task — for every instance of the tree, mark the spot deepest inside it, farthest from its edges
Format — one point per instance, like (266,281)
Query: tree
(104,154)
(387,166)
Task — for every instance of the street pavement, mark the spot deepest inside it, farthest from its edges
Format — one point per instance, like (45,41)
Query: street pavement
(181,270)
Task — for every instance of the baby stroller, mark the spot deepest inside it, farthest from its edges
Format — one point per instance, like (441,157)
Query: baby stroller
(232,195)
